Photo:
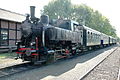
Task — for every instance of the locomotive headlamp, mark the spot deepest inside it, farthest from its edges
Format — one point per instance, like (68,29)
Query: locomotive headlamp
(32,43)
(16,43)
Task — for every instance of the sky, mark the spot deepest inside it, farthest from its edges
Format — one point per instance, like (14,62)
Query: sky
(108,8)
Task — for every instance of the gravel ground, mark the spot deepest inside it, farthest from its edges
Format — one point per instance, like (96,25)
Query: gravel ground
(107,70)
(8,59)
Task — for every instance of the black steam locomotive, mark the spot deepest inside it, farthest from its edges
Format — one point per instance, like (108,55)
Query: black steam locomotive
(44,40)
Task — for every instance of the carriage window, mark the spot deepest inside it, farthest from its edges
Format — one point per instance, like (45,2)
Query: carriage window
(88,32)
(96,36)
(64,25)
(75,27)
(81,34)
(91,35)
(88,35)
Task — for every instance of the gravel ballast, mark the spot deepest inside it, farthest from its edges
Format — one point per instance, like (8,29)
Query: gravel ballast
(107,70)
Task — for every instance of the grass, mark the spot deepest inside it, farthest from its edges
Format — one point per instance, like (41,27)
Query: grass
(7,55)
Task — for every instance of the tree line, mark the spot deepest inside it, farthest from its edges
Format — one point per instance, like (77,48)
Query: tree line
(80,13)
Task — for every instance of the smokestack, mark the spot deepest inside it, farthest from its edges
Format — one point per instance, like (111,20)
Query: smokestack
(32,12)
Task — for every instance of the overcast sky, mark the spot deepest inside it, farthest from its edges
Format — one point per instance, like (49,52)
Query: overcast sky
(109,8)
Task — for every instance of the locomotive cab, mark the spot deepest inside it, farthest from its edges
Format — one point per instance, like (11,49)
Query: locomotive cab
(67,24)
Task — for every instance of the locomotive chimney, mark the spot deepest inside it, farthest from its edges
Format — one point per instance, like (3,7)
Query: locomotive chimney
(32,12)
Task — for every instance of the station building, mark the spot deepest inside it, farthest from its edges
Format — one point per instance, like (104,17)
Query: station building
(9,28)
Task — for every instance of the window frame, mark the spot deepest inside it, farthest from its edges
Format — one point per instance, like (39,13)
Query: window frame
(1,38)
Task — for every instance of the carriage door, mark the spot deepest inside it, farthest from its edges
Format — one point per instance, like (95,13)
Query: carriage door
(84,37)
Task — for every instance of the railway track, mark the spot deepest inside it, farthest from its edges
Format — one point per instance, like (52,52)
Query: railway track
(4,72)
(82,70)
(98,64)
(7,71)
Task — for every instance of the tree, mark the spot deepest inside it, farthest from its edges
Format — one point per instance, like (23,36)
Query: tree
(58,9)
(80,13)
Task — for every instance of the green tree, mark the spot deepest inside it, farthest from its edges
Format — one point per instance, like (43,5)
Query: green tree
(58,9)
(80,13)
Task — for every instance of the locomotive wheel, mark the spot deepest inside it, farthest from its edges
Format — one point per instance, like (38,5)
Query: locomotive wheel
(34,59)
(51,58)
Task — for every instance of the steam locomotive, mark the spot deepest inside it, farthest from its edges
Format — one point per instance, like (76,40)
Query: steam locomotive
(43,40)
